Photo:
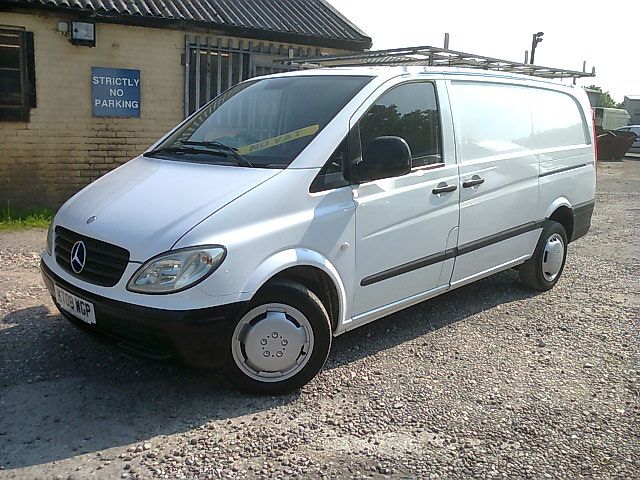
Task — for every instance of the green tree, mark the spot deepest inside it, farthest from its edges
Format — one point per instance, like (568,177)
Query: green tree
(606,99)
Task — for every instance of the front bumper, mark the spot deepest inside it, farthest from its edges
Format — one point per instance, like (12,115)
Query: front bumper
(197,337)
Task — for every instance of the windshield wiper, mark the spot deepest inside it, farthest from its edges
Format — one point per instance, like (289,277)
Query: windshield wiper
(209,144)
(222,146)
(222,150)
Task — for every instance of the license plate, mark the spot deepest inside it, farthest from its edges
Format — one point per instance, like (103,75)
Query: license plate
(76,306)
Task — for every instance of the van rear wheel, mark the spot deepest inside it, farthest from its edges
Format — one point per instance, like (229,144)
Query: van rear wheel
(543,270)
(281,342)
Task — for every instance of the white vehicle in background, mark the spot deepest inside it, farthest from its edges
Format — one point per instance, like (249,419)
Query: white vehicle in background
(611,118)
(298,206)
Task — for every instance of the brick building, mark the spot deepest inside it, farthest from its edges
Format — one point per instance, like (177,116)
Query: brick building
(89,84)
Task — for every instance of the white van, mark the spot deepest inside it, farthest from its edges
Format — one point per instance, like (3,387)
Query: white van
(298,206)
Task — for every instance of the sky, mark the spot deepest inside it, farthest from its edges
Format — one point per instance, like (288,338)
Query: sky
(574,31)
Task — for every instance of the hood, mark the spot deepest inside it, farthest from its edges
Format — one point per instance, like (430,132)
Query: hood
(147,204)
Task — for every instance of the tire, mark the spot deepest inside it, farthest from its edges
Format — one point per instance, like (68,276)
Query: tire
(543,270)
(281,315)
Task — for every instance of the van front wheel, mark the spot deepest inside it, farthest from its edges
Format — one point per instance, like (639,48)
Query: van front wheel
(542,271)
(281,342)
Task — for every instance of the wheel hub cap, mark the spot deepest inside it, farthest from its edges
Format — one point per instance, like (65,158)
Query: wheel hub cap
(272,342)
(553,257)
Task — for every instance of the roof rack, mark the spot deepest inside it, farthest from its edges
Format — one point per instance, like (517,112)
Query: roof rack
(433,56)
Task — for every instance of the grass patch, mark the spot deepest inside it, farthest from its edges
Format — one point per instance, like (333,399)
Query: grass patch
(38,219)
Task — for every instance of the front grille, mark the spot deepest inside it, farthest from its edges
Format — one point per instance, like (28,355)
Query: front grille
(105,263)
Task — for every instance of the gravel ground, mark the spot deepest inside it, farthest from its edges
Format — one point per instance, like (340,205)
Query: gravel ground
(490,380)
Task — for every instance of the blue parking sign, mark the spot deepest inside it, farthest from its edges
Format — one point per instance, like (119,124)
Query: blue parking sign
(115,92)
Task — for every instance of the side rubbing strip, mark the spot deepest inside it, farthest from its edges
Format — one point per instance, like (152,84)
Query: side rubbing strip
(560,170)
(499,237)
(408,267)
(453,252)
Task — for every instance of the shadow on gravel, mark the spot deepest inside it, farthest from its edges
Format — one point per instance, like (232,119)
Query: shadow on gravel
(431,315)
(63,394)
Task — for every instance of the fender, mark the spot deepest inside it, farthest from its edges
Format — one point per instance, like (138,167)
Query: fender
(558,202)
(297,257)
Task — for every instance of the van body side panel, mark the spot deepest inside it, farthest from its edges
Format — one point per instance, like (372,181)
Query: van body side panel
(279,216)
(569,173)
(563,128)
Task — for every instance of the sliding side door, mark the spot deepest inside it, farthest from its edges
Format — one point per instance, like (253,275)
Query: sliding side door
(498,177)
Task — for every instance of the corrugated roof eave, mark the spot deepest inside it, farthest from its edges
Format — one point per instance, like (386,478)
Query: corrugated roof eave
(314,20)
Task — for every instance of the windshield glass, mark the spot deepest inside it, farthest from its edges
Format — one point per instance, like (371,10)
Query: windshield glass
(261,123)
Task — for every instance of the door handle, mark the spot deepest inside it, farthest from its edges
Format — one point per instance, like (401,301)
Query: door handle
(473,181)
(444,188)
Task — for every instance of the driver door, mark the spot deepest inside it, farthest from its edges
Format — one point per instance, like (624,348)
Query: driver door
(406,226)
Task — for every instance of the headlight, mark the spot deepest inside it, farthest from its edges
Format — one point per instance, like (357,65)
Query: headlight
(50,239)
(177,270)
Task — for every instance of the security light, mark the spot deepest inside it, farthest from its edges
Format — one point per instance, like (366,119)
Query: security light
(83,33)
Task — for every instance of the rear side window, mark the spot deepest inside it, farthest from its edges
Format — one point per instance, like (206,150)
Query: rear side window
(557,120)
(409,111)
(491,119)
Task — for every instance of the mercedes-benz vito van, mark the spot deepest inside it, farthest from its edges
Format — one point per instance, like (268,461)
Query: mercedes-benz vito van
(295,207)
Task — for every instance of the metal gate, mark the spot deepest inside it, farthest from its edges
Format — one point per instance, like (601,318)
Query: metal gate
(212,67)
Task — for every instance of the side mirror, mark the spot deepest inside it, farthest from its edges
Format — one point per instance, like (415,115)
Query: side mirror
(384,157)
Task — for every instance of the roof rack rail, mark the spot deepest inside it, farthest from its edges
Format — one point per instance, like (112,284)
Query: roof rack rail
(432,56)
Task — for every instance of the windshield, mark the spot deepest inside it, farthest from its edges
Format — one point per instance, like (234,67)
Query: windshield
(261,123)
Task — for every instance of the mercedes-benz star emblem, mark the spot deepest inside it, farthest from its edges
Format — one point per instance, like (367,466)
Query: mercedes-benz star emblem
(78,256)
(91,219)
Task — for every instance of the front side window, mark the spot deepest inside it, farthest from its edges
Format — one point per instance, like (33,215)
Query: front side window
(409,111)
(331,175)
(17,75)
(262,123)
